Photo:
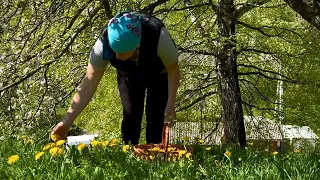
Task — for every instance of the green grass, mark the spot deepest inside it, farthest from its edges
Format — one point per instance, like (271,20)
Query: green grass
(112,163)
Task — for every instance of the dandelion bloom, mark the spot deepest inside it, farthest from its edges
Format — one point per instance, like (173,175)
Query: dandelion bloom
(95,143)
(60,142)
(114,141)
(81,146)
(55,137)
(30,141)
(23,137)
(155,149)
(112,144)
(227,153)
(170,149)
(38,155)
(162,150)
(151,157)
(201,141)
(275,153)
(125,148)
(188,155)
(298,151)
(182,152)
(48,146)
(55,150)
(105,143)
(13,159)
(208,148)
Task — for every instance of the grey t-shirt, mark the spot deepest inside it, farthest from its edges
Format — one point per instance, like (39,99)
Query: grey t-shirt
(167,51)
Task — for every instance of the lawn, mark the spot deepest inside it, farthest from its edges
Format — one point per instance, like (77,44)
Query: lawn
(25,158)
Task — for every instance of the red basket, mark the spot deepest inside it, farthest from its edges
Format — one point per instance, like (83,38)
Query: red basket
(174,152)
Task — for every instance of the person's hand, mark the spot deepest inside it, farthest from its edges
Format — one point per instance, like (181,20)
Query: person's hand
(170,115)
(60,131)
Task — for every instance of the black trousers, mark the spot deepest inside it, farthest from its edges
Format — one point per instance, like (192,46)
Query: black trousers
(133,88)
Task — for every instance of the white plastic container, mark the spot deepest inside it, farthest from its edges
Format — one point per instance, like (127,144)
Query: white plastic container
(76,140)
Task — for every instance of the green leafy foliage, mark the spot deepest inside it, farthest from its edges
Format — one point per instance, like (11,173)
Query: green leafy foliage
(45,47)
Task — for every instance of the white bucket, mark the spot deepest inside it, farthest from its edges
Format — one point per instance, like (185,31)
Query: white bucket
(76,140)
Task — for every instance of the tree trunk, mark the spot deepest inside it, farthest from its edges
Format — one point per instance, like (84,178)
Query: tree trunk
(228,84)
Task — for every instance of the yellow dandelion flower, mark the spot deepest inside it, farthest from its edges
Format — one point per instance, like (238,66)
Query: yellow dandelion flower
(188,155)
(187,138)
(155,149)
(13,159)
(30,141)
(275,153)
(227,153)
(38,155)
(55,150)
(298,151)
(182,152)
(201,141)
(170,149)
(112,144)
(94,143)
(114,141)
(151,157)
(125,148)
(81,146)
(169,159)
(60,151)
(208,148)
(60,142)
(55,137)
(162,150)
(23,137)
(105,143)
(48,146)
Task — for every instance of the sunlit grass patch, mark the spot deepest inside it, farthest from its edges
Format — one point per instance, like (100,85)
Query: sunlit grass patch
(104,158)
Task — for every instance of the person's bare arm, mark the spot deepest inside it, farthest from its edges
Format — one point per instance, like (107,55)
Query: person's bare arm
(84,92)
(80,100)
(173,82)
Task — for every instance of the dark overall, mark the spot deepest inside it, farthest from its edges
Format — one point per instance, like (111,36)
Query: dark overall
(135,78)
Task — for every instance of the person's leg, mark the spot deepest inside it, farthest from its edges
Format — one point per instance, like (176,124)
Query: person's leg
(132,93)
(157,97)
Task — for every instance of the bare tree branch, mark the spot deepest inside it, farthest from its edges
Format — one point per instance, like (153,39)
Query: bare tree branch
(265,76)
(215,128)
(214,7)
(246,7)
(256,50)
(107,9)
(45,92)
(180,9)
(257,90)
(257,29)
(56,58)
(75,17)
(257,107)
(198,52)
(150,8)
(263,70)
(197,100)
(308,9)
